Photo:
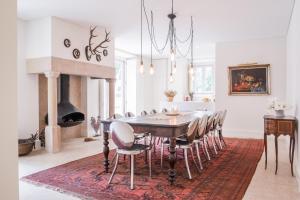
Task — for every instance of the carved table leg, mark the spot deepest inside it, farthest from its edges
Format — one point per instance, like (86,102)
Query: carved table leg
(105,151)
(172,161)
(276,152)
(292,157)
(290,150)
(266,150)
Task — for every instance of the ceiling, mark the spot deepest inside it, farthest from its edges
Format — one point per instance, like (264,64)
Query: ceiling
(214,20)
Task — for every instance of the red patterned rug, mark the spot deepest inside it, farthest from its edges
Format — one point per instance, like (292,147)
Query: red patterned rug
(226,176)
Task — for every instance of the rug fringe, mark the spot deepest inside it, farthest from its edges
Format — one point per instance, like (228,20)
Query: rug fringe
(57,189)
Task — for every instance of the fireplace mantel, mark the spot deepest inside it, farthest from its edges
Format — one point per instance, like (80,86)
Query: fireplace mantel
(71,67)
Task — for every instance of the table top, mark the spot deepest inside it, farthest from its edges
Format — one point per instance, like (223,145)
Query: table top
(280,118)
(163,120)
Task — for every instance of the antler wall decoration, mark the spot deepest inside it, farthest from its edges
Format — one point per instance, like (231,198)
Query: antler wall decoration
(100,49)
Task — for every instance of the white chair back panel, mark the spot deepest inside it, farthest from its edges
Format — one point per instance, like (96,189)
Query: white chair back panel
(122,134)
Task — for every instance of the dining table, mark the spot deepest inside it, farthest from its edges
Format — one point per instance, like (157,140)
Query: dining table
(166,125)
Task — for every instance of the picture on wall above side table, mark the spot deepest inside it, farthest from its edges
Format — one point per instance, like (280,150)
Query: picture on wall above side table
(249,79)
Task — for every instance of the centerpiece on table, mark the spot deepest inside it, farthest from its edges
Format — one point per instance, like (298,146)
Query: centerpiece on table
(170,94)
(278,107)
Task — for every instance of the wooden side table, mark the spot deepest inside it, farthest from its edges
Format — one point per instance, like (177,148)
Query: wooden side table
(280,126)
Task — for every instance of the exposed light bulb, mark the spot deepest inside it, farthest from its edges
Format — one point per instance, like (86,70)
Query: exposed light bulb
(172,55)
(142,67)
(171,78)
(174,69)
(191,70)
(151,71)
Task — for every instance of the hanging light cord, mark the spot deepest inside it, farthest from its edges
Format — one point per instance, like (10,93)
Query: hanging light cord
(171,34)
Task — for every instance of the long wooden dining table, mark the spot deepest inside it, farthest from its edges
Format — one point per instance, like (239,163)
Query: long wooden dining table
(159,125)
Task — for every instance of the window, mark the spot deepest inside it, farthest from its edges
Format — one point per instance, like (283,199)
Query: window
(125,87)
(202,84)
(120,86)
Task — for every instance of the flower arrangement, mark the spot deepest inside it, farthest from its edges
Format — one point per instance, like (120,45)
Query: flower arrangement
(278,106)
(170,94)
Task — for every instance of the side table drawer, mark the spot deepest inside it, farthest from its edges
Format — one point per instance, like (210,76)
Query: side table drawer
(270,126)
(285,127)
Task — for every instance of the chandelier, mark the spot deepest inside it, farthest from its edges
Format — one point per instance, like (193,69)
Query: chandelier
(171,39)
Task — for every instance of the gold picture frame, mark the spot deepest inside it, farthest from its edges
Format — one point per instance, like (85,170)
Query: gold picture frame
(249,80)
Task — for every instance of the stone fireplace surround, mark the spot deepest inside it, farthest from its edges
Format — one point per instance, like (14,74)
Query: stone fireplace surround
(49,70)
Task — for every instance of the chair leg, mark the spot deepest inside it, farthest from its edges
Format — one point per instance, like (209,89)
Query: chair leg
(219,141)
(150,163)
(114,157)
(161,154)
(114,170)
(213,143)
(198,155)
(221,137)
(193,157)
(187,163)
(205,141)
(131,171)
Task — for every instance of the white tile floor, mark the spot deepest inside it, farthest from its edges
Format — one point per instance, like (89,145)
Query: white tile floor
(264,185)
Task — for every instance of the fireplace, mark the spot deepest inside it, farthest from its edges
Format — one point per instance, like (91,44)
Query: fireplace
(68,114)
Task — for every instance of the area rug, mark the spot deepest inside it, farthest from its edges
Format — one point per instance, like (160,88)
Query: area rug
(226,176)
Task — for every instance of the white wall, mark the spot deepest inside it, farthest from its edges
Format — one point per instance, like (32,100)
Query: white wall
(28,105)
(245,113)
(293,72)
(8,100)
(79,36)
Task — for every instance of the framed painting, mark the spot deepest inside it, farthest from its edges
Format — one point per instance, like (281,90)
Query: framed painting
(252,79)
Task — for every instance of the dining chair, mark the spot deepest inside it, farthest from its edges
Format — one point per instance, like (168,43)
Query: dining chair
(144,113)
(164,110)
(153,111)
(129,114)
(206,135)
(184,143)
(116,116)
(123,137)
(199,139)
(220,127)
(215,138)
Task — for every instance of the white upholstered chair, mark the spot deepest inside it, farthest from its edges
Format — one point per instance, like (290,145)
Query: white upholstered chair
(123,137)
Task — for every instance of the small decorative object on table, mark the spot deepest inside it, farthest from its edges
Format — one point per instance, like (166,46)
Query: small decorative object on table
(170,94)
(96,125)
(278,106)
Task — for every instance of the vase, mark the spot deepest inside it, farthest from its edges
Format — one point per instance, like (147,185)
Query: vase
(170,99)
(279,113)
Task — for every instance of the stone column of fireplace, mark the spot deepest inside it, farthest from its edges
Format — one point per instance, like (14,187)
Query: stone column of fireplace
(53,131)
(111,83)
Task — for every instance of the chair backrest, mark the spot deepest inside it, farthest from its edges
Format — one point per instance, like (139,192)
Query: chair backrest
(222,119)
(122,134)
(202,124)
(116,116)
(218,115)
(210,122)
(191,133)
(144,113)
(129,114)
(153,111)
(164,110)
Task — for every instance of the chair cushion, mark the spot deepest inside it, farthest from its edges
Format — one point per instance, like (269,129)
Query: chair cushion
(178,142)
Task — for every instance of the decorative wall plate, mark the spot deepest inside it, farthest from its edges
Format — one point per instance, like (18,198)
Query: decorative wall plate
(67,42)
(76,53)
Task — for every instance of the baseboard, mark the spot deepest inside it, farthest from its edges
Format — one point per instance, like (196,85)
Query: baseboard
(243,133)
(297,174)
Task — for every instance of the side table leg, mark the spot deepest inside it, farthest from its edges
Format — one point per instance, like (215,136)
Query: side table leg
(290,149)
(172,161)
(266,150)
(105,151)
(292,160)
(276,152)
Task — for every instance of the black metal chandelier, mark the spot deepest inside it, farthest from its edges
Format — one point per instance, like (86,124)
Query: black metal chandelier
(172,39)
